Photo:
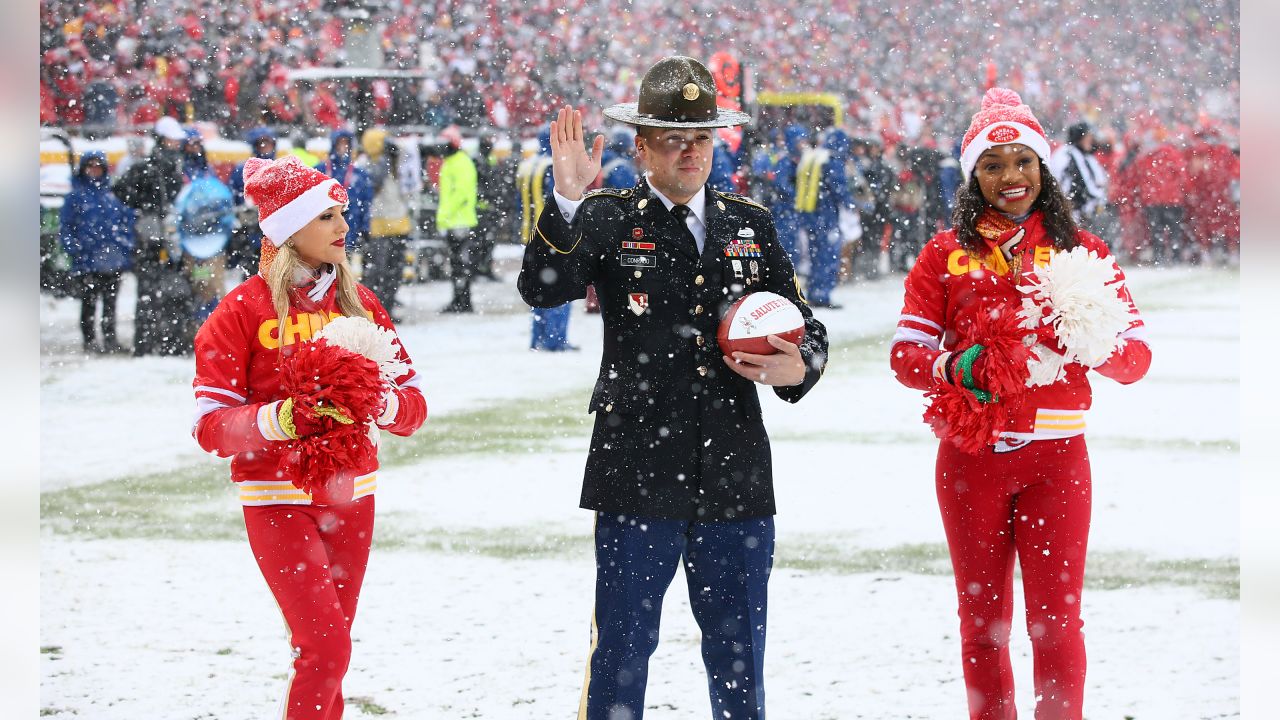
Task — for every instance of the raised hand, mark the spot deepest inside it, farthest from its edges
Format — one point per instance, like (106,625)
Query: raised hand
(571,166)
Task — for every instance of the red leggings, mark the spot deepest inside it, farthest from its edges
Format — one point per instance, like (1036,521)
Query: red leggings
(1035,502)
(313,559)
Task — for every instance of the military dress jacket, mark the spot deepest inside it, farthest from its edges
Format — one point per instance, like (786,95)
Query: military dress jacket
(677,434)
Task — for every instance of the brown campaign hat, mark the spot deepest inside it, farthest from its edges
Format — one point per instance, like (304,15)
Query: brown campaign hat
(677,92)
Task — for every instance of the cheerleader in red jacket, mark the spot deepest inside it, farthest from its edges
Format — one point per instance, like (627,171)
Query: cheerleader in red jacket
(1026,493)
(312,547)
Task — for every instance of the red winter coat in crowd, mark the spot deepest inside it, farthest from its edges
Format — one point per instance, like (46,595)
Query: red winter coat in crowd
(1213,176)
(1162,174)
(1126,198)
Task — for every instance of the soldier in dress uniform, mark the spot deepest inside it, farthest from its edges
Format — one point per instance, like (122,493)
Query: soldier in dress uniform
(679,470)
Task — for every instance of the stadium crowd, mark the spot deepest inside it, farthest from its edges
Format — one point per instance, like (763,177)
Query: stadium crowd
(117,64)
(1143,113)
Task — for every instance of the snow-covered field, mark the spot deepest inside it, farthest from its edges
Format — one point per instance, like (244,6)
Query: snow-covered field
(477,599)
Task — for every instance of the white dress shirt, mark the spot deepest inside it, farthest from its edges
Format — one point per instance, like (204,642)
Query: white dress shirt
(696,220)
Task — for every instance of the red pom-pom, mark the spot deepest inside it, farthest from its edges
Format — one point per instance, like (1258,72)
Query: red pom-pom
(1000,96)
(957,416)
(317,374)
(954,413)
(323,378)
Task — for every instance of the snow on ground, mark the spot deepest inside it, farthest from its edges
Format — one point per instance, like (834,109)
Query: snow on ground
(477,600)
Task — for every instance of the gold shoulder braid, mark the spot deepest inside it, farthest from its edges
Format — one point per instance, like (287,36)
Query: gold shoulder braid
(741,199)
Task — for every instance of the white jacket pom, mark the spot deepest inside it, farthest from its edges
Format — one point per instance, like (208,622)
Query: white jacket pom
(1076,293)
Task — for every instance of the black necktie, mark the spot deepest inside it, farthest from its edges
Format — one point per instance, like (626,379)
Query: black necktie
(682,213)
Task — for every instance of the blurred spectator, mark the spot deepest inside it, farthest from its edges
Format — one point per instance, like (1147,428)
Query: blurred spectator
(226,61)
(204,218)
(1213,197)
(149,187)
(97,235)
(456,217)
(389,224)
(1080,175)
(881,180)
(535,184)
(493,177)
(242,251)
(1161,194)
(617,162)
(340,166)
(828,195)
(785,218)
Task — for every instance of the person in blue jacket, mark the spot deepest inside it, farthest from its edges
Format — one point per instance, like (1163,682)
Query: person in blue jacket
(794,139)
(723,165)
(204,218)
(534,182)
(243,250)
(825,238)
(97,235)
(616,164)
(262,144)
(340,166)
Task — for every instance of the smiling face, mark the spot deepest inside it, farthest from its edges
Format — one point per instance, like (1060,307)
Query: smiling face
(677,161)
(1009,177)
(323,240)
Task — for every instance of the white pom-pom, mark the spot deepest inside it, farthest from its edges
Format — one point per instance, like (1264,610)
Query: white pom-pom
(1045,367)
(1076,293)
(364,337)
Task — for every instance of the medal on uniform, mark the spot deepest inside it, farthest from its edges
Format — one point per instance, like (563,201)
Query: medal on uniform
(737,268)
(755,271)
(637,241)
(638,302)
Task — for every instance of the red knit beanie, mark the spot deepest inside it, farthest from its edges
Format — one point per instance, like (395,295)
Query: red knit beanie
(288,195)
(1003,120)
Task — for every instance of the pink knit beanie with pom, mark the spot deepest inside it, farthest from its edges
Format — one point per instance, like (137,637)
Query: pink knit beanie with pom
(1003,120)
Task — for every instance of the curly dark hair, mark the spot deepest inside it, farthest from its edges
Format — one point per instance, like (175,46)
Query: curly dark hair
(1051,201)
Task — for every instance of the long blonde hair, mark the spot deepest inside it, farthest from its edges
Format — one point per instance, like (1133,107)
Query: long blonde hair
(282,276)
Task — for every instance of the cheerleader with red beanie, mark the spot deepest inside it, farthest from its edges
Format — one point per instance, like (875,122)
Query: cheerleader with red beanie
(301,428)
(1005,316)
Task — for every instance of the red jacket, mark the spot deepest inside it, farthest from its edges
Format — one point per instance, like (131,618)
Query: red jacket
(946,287)
(1213,175)
(237,386)
(1162,176)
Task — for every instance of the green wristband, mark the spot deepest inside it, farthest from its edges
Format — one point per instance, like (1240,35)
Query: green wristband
(965,366)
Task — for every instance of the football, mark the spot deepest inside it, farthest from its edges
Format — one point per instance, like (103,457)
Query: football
(755,316)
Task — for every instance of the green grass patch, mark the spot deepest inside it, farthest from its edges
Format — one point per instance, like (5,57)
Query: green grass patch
(396,531)
(192,503)
(367,706)
(1216,577)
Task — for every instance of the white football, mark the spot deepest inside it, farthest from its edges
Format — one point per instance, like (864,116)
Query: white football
(755,316)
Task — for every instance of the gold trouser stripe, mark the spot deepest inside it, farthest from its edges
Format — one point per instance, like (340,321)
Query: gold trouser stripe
(595,640)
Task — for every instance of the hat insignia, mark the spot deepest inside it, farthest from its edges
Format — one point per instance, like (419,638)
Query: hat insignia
(1003,134)
(691,91)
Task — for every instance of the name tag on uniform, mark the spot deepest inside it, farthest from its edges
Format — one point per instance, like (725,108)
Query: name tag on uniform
(644,261)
